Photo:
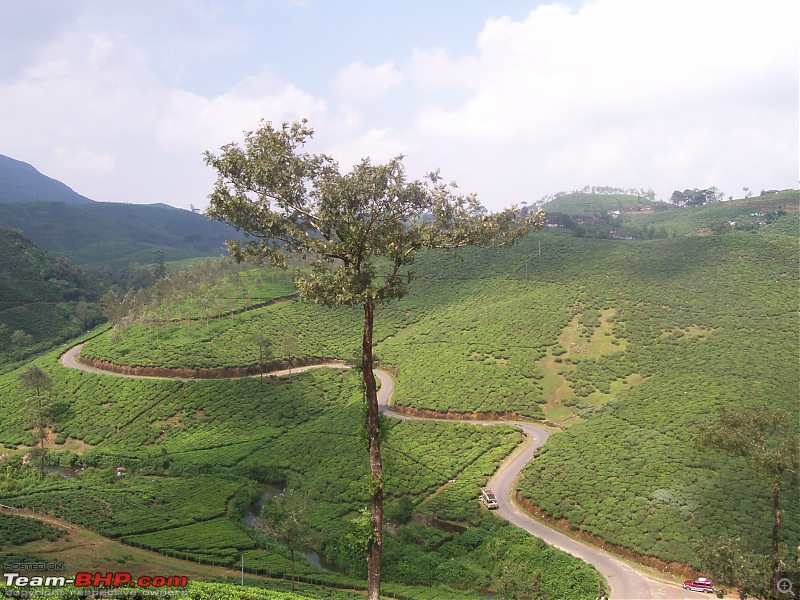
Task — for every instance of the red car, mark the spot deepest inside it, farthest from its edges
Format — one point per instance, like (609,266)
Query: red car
(701,584)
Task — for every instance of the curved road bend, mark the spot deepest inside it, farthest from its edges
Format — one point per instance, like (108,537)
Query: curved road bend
(626,582)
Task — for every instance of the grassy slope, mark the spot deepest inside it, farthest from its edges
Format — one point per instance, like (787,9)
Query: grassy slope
(642,339)
(215,439)
(699,220)
(712,316)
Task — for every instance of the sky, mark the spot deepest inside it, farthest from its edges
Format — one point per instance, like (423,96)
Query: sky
(512,99)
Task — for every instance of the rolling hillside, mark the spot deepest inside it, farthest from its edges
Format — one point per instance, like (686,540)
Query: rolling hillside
(624,345)
(577,203)
(774,214)
(43,301)
(106,233)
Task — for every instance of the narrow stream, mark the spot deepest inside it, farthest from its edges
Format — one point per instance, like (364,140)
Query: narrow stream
(66,472)
(270,491)
(254,510)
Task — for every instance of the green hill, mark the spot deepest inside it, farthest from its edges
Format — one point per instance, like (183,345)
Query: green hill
(628,345)
(116,234)
(615,216)
(773,214)
(578,203)
(63,222)
(43,301)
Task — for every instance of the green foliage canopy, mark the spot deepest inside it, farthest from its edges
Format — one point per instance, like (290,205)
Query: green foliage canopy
(299,203)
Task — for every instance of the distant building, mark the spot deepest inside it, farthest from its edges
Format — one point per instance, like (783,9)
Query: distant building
(619,235)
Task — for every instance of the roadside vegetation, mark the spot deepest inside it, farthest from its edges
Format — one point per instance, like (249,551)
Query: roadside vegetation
(15,531)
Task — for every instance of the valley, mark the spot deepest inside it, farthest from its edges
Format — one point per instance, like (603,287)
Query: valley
(619,346)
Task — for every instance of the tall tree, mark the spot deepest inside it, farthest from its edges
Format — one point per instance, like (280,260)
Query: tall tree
(264,351)
(697,197)
(159,264)
(36,411)
(111,305)
(361,228)
(733,561)
(20,338)
(4,337)
(767,438)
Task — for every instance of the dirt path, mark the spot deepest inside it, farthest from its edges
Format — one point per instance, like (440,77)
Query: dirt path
(626,582)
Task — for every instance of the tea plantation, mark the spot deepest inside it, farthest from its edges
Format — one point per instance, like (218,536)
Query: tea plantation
(195,454)
(627,345)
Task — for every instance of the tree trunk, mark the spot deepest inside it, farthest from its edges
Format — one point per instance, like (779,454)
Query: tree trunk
(776,557)
(375,544)
(291,551)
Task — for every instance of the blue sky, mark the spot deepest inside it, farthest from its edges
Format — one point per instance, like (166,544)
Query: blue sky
(513,99)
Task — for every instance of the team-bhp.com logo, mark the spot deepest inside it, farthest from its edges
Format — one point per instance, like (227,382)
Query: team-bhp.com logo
(83,579)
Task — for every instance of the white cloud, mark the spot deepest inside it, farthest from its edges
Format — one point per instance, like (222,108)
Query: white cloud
(67,110)
(621,92)
(380,145)
(636,93)
(83,159)
(435,68)
(194,122)
(92,112)
(88,80)
(358,83)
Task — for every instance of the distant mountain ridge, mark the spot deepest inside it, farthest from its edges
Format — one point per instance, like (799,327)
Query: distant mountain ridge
(59,220)
(21,182)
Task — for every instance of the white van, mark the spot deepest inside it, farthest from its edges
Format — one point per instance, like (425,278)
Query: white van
(488,499)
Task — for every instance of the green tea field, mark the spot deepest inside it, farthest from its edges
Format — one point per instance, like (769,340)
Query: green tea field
(624,347)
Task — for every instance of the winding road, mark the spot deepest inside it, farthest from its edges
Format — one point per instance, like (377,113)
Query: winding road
(626,582)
